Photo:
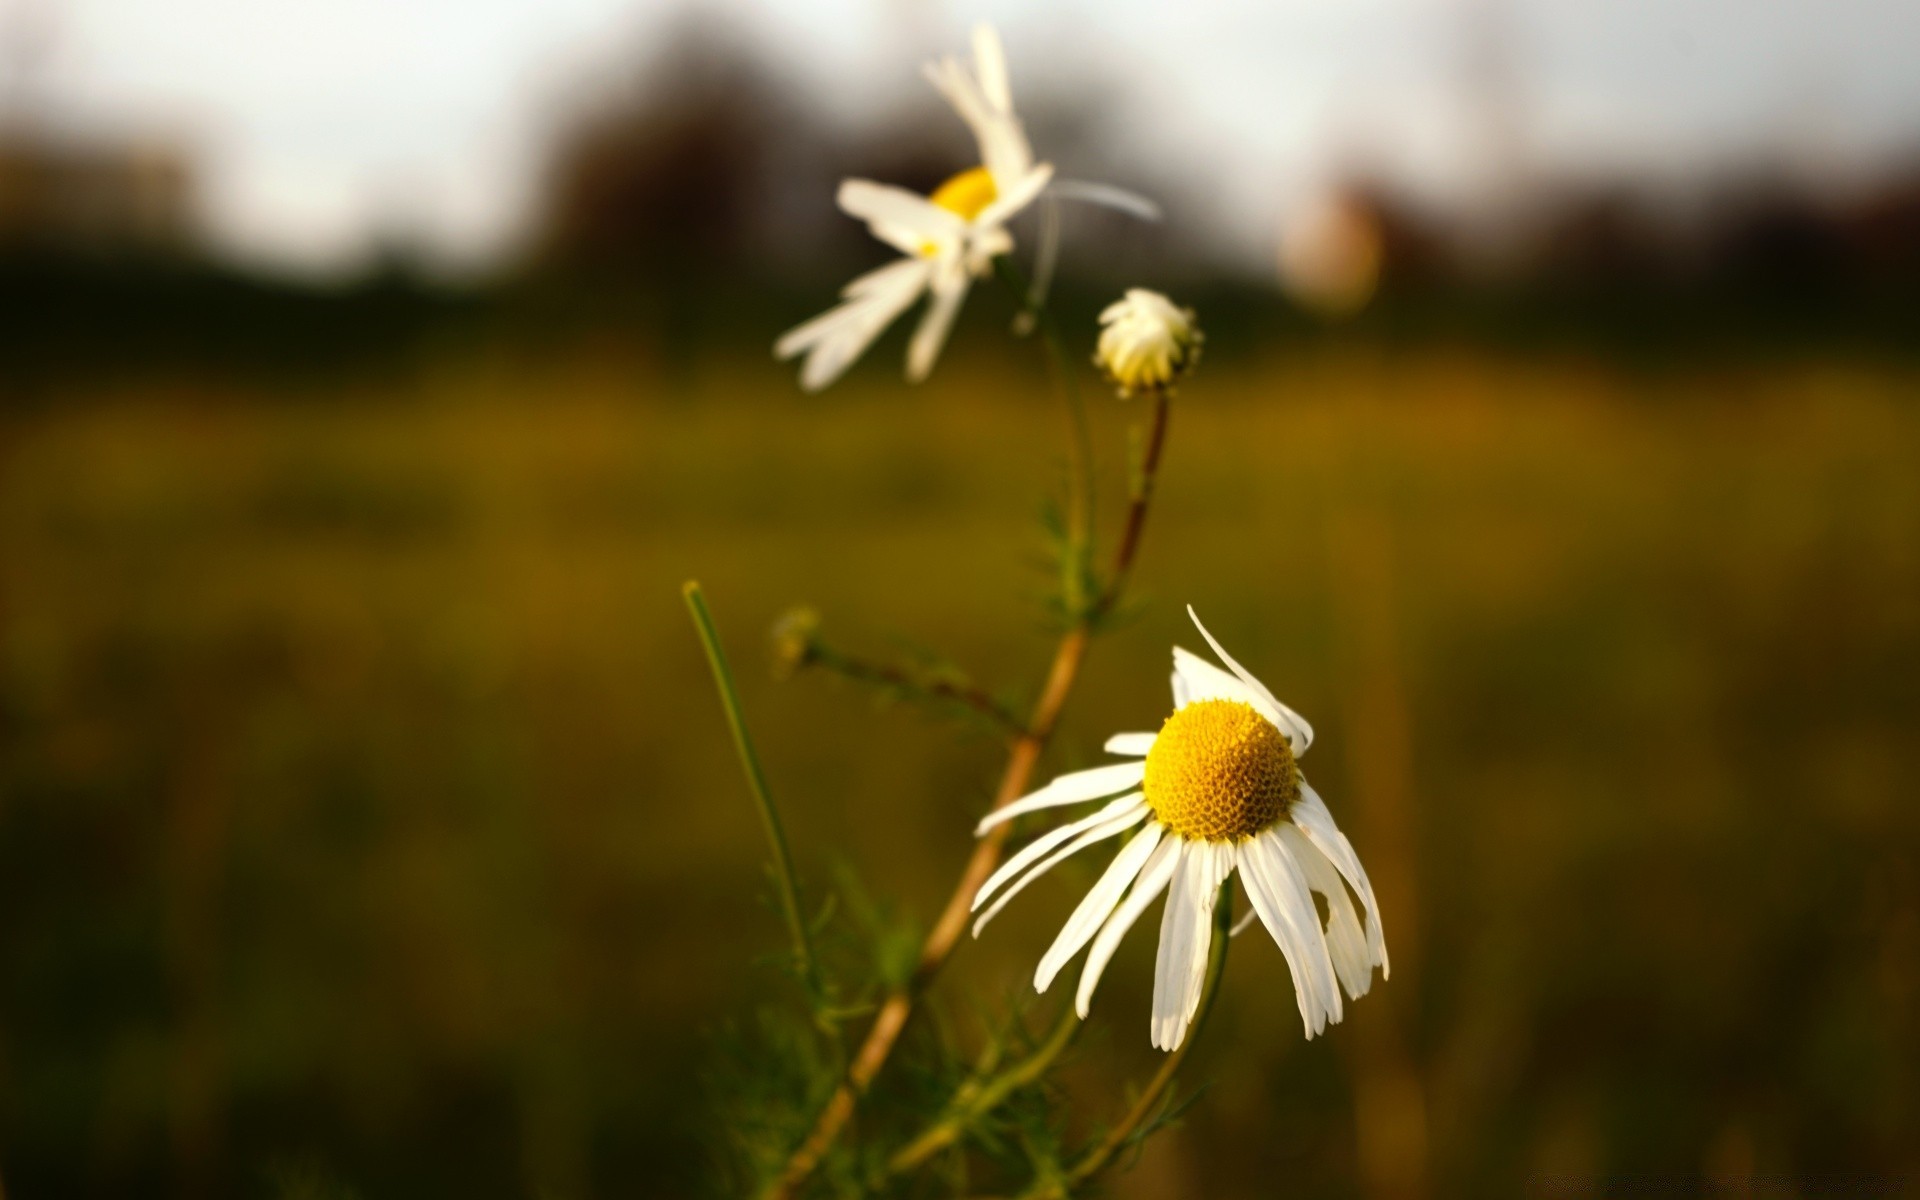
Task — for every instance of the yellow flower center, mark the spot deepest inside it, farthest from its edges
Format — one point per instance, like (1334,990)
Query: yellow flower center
(1220,772)
(967,194)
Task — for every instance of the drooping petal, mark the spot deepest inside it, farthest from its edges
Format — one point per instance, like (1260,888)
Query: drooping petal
(950,282)
(1153,877)
(990,63)
(1311,815)
(1126,813)
(1133,745)
(1300,733)
(1136,859)
(1346,941)
(1286,909)
(1186,934)
(1037,848)
(1075,788)
(835,339)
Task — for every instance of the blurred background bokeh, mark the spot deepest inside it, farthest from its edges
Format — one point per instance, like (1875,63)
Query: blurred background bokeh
(372,374)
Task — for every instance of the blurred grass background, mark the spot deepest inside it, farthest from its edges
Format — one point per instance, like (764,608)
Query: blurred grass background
(367,824)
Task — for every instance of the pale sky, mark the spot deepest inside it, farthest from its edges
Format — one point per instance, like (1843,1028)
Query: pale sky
(325,126)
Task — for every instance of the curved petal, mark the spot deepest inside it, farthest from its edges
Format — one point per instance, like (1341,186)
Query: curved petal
(835,339)
(1075,788)
(949,292)
(1302,733)
(1119,823)
(1311,815)
(1153,877)
(1186,934)
(1135,860)
(1105,195)
(1286,909)
(1346,941)
(1047,841)
(990,64)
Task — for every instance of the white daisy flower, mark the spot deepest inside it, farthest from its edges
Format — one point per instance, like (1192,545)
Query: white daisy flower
(948,239)
(1147,341)
(1219,788)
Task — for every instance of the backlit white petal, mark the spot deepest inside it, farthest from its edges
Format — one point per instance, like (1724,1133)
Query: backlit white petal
(1075,788)
(949,290)
(1036,849)
(1269,890)
(1108,826)
(1133,745)
(836,338)
(1152,881)
(894,208)
(1019,191)
(1311,815)
(1346,941)
(1105,195)
(1301,733)
(1136,859)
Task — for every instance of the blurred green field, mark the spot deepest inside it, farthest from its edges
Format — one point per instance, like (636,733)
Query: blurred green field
(367,824)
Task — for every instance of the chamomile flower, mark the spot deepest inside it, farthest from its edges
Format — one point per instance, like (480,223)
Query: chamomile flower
(947,239)
(1146,341)
(1217,789)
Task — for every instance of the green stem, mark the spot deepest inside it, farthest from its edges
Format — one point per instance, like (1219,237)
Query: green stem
(1144,1109)
(976,1098)
(916,686)
(756,783)
(1077,566)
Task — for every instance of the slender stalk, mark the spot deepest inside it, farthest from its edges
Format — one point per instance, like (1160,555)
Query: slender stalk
(1139,502)
(757,784)
(1021,759)
(1149,1102)
(978,1097)
(887,675)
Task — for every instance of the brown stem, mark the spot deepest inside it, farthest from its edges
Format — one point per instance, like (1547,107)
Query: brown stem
(1138,504)
(946,931)
(1027,747)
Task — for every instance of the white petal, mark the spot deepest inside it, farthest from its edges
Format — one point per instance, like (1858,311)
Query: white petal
(1298,905)
(1197,679)
(1311,815)
(949,291)
(1153,877)
(1035,849)
(1094,907)
(1122,820)
(1186,934)
(836,338)
(1016,194)
(896,208)
(1133,745)
(1246,919)
(1301,735)
(990,63)
(1105,195)
(1346,942)
(1286,909)
(1074,788)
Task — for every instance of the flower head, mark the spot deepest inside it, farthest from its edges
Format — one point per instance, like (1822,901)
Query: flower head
(1148,341)
(947,239)
(1217,790)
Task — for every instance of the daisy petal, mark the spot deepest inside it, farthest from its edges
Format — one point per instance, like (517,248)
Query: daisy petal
(1286,909)
(836,338)
(1105,195)
(1186,934)
(1037,848)
(1018,192)
(899,210)
(1346,942)
(1133,745)
(1119,823)
(1292,723)
(949,290)
(1136,858)
(1153,877)
(1311,815)
(1076,788)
